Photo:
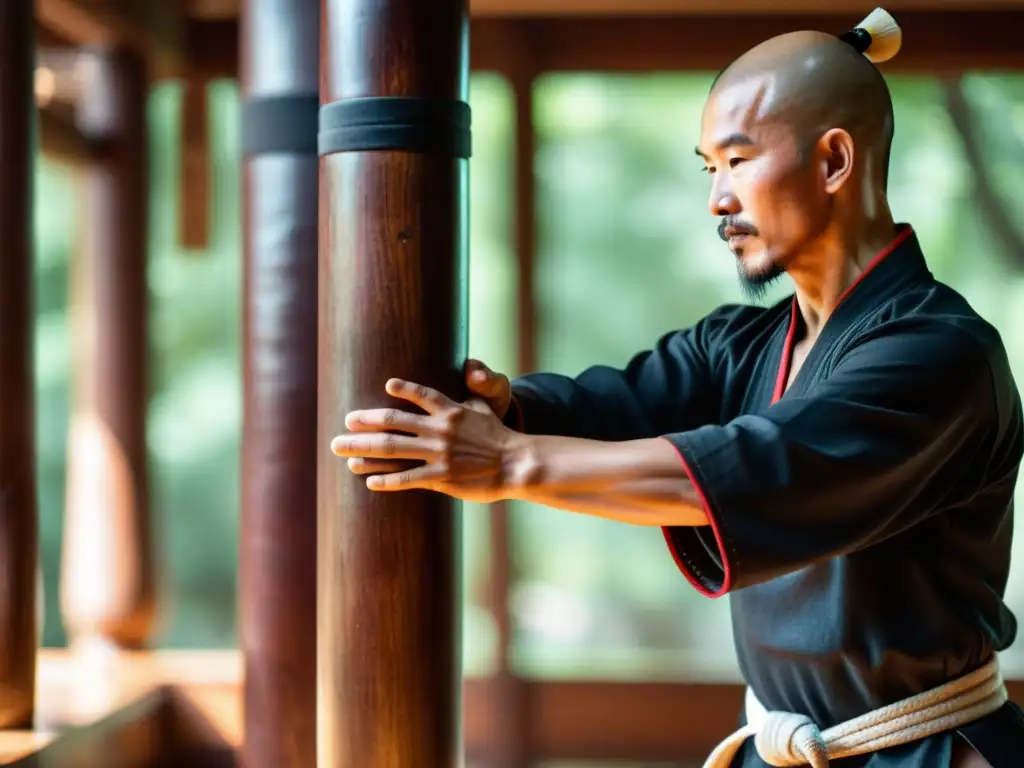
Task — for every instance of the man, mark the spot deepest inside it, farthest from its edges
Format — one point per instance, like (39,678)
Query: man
(843,463)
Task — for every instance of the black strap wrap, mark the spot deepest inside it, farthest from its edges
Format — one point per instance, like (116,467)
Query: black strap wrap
(404,123)
(283,123)
(859,38)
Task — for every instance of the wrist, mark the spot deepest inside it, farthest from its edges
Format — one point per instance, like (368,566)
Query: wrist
(522,465)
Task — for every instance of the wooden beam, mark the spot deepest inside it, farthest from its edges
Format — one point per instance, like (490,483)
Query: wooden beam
(108,574)
(153,28)
(636,721)
(933,41)
(161,727)
(57,95)
(228,9)
(131,736)
(195,188)
(210,51)
(393,291)
(216,10)
(19,521)
(278,537)
(568,720)
(582,8)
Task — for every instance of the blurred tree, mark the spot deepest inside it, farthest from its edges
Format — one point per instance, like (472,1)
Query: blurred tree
(626,252)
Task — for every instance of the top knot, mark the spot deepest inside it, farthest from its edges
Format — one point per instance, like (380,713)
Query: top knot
(878,36)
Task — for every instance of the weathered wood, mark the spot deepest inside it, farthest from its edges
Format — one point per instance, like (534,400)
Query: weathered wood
(393,294)
(18,509)
(277,599)
(107,579)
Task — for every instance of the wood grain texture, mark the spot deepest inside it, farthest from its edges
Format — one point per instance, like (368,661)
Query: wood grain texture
(277,557)
(18,507)
(393,295)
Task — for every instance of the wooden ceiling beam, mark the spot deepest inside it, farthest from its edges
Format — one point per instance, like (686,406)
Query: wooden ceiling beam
(934,42)
(596,8)
(507,9)
(154,27)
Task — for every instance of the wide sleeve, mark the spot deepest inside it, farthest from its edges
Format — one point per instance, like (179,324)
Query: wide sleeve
(900,429)
(671,387)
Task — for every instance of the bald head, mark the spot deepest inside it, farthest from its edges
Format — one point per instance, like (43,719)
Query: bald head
(796,136)
(812,82)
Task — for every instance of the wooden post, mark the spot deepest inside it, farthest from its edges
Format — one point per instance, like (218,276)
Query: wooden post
(393,295)
(107,569)
(280,43)
(18,515)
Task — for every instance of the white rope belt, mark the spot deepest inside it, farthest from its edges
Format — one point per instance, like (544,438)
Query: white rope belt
(785,739)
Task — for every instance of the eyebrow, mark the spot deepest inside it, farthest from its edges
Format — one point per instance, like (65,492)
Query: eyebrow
(732,140)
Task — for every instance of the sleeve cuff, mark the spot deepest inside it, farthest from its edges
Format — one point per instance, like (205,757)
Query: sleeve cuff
(702,555)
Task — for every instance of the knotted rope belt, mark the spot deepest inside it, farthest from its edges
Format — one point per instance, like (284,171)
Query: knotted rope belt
(785,739)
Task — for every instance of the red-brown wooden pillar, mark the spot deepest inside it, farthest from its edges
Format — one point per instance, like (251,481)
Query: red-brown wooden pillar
(107,576)
(394,136)
(280,43)
(18,517)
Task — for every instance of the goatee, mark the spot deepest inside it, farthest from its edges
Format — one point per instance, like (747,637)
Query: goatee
(755,286)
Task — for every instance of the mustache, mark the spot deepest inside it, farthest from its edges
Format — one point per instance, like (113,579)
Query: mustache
(736,227)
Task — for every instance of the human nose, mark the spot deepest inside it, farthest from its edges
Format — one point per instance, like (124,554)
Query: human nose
(723,201)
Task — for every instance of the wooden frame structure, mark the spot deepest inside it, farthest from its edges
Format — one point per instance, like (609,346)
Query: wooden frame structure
(102,54)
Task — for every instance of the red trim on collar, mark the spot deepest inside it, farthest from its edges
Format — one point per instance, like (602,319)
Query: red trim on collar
(782,378)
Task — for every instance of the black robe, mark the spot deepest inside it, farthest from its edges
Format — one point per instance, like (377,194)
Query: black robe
(861,520)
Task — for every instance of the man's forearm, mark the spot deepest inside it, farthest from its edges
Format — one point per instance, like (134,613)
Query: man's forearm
(642,482)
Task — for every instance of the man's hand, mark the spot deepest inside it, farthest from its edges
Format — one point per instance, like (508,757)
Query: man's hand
(494,388)
(464,446)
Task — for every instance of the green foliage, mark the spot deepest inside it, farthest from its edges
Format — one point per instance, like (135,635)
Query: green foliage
(626,252)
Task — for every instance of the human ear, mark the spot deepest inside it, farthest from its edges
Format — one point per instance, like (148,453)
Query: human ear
(837,152)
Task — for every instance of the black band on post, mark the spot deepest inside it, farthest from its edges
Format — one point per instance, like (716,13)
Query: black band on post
(396,122)
(285,123)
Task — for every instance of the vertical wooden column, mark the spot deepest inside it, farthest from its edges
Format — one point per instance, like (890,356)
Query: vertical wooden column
(18,516)
(107,576)
(394,135)
(509,747)
(280,44)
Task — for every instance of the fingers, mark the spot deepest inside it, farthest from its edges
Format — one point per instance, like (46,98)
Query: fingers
(483,381)
(386,446)
(421,477)
(375,466)
(430,400)
(389,419)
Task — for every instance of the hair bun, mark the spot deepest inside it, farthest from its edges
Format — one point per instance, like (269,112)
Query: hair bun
(878,36)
